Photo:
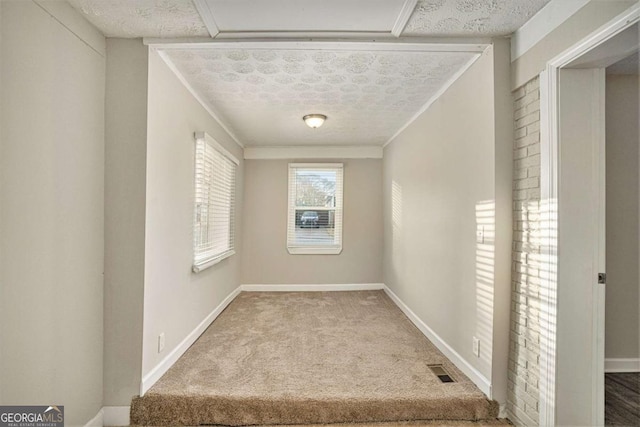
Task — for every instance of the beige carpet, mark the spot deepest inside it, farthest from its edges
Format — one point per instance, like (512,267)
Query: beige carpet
(434,423)
(310,358)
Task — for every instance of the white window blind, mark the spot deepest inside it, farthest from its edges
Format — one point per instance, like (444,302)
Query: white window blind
(215,188)
(315,208)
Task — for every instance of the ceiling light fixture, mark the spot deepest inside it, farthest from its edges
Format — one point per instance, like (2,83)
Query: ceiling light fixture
(314,121)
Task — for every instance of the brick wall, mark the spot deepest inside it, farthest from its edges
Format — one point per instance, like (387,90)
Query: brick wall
(524,345)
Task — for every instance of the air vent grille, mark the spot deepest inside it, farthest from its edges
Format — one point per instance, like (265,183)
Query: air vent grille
(441,373)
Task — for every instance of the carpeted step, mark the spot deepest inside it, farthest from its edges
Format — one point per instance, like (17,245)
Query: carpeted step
(166,410)
(310,358)
(424,423)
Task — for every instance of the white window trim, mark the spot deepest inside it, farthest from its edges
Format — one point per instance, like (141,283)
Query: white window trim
(210,262)
(308,249)
(203,264)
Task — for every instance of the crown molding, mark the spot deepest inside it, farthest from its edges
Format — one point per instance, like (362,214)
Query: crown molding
(313,152)
(434,98)
(208,107)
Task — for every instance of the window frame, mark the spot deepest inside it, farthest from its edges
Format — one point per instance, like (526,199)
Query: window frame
(203,260)
(333,249)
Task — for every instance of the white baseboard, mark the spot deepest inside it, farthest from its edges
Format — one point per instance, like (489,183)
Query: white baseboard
(158,371)
(474,375)
(97,421)
(116,415)
(313,288)
(621,365)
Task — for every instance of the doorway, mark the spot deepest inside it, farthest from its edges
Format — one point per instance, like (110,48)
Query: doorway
(574,189)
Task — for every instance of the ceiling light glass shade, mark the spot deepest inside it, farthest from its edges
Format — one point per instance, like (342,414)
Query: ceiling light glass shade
(314,120)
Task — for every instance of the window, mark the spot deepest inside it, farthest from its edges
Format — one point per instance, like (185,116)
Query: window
(215,188)
(315,208)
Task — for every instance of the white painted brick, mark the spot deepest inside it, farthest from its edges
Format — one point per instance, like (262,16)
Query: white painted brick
(518,381)
(521,173)
(527,162)
(528,399)
(519,93)
(525,140)
(532,412)
(532,171)
(519,206)
(531,390)
(520,133)
(520,418)
(521,398)
(533,193)
(528,120)
(520,153)
(520,195)
(526,110)
(532,85)
(533,128)
(527,99)
(524,347)
(527,183)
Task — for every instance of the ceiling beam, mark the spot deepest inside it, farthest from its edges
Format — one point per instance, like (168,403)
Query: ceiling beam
(399,45)
(304,35)
(403,17)
(313,152)
(207,16)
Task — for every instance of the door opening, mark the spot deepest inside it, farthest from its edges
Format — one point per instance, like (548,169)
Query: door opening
(573,183)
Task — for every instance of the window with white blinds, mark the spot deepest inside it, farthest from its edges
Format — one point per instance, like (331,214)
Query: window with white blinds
(315,208)
(215,189)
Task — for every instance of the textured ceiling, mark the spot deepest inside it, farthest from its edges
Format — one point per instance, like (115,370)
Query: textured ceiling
(470,17)
(368,96)
(143,18)
(179,18)
(262,94)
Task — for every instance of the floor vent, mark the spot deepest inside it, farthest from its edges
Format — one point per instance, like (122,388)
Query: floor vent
(441,373)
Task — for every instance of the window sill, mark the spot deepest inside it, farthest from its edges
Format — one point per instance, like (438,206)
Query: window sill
(310,250)
(210,262)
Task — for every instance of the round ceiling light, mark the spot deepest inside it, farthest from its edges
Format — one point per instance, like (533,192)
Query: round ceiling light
(314,121)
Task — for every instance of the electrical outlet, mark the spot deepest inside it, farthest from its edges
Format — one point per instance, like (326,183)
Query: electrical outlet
(160,342)
(476,346)
(480,234)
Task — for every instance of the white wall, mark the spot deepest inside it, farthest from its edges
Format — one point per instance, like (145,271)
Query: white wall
(125,181)
(51,215)
(175,299)
(503,239)
(622,333)
(266,259)
(440,181)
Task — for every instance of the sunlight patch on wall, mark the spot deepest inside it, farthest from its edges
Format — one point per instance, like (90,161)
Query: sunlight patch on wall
(485,275)
(396,225)
(547,263)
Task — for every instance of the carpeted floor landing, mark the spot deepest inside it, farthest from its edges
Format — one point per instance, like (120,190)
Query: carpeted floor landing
(310,358)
